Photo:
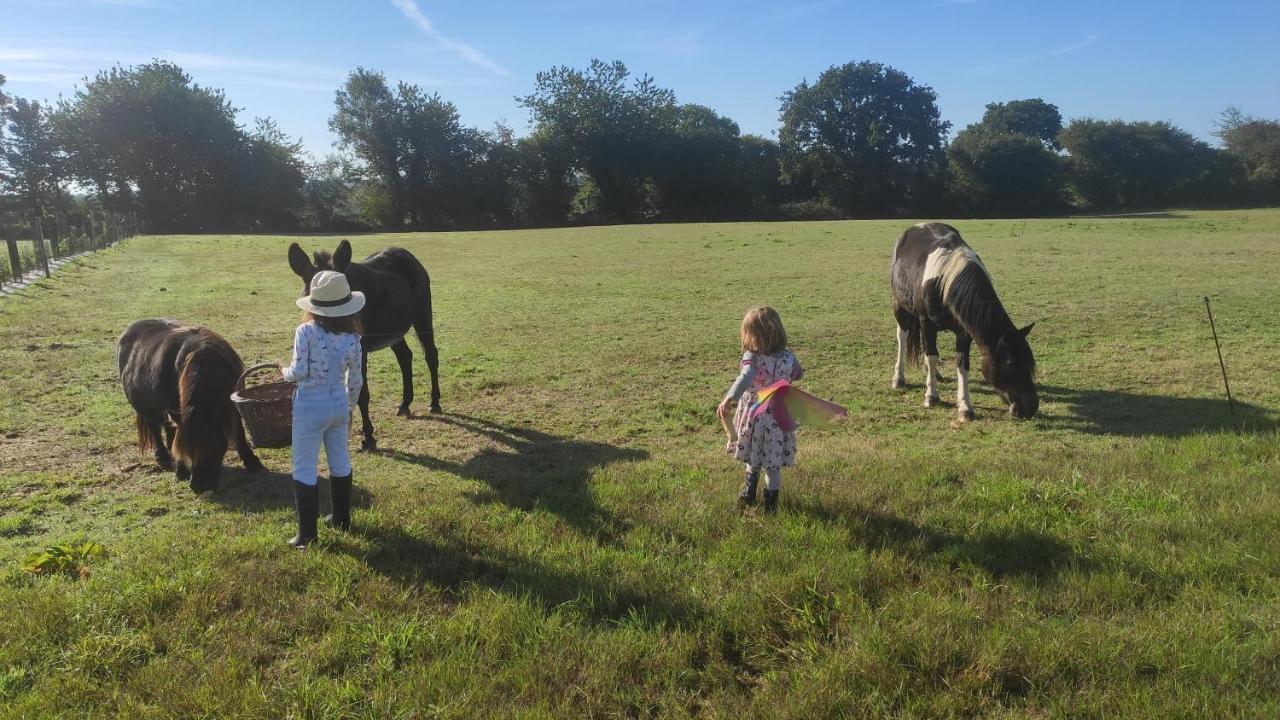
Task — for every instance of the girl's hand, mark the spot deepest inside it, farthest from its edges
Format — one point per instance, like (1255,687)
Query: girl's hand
(723,409)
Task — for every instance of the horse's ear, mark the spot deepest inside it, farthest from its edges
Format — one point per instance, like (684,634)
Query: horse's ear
(342,256)
(1027,330)
(298,260)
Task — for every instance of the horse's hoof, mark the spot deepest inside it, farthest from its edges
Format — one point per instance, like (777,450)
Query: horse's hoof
(368,445)
(932,401)
(435,409)
(165,464)
(404,411)
(183,473)
(897,384)
(965,415)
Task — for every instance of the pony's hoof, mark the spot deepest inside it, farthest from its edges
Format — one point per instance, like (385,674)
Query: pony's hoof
(435,409)
(932,401)
(897,384)
(183,473)
(965,415)
(368,445)
(166,464)
(404,411)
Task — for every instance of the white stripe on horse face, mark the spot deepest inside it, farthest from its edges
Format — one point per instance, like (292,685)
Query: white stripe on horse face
(945,264)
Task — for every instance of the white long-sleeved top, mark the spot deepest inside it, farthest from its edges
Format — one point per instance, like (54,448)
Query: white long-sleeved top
(322,359)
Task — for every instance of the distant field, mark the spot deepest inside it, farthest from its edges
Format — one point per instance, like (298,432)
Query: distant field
(562,540)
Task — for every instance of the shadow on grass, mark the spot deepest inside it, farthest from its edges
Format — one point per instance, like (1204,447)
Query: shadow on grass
(1113,412)
(535,469)
(1019,553)
(269,490)
(451,563)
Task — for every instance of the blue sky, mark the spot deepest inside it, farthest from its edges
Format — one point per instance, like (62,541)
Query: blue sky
(1140,60)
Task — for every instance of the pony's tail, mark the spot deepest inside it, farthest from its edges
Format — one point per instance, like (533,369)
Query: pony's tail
(146,441)
(915,341)
(200,421)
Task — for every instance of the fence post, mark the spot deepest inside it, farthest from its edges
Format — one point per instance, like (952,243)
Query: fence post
(55,238)
(15,263)
(93,238)
(37,235)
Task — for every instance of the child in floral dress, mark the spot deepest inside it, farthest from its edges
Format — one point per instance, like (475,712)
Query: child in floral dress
(760,443)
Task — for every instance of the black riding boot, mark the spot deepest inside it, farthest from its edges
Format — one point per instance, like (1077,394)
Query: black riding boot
(306,499)
(747,497)
(770,501)
(341,491)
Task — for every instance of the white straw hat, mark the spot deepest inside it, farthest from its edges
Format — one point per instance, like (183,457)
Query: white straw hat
(331,296)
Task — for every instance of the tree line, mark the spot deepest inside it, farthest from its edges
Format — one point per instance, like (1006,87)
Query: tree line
(862,140)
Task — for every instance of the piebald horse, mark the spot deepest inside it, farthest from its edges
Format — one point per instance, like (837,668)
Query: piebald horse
(939,283)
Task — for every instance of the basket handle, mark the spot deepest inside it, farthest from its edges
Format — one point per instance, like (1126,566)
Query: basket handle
(244,376)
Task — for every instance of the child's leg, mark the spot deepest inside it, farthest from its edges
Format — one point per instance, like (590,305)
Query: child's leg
(772,484)
(336,448)
(338,452)
(748,494)
(307,430)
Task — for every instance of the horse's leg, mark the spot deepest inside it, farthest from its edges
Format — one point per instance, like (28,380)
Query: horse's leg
(904,322)
(247,456)
(363,402)
(427,336)
(929,331)
(963,406)
(161,444)
(404,356)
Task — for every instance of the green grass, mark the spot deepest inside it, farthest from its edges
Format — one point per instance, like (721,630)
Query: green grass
(562,541)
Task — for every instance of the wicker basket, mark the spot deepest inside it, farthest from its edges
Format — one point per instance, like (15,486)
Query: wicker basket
(267,409)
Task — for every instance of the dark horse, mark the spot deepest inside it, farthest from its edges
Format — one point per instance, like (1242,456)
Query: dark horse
(180,378)
(940,284)
(397,293)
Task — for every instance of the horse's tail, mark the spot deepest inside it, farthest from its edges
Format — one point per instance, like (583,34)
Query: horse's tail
(915,341)
(205,384)
(146,441)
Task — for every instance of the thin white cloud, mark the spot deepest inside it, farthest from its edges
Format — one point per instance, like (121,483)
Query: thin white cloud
(1090,40)
(411,11)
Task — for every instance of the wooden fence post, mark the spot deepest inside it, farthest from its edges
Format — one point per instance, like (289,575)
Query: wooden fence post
(37,235)
(55,238)
(15,263)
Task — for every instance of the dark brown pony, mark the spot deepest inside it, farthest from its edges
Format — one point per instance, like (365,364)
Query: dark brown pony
(939,283)
(179,380)
(397,292)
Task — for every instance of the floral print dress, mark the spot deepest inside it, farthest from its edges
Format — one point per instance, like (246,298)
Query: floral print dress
(761,443)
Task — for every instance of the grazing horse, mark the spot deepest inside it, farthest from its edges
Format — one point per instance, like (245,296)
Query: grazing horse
(179,378)
(397,291)
(939,283)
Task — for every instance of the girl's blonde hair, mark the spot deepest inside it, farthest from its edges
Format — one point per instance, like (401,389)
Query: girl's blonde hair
(762,331)
(347,324)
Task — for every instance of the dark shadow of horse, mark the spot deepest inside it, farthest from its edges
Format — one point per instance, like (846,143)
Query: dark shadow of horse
(1117,412)
(536,470)
(450,563)
(1020,553)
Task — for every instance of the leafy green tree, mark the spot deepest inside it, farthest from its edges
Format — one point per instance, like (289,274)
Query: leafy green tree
(1138,165)
(1256,144)
(760,162)
(329,195)
(700,177)
(1008,164)
(270,176)
(31,162)
(614,128)
(1033,117)
(866,138)
(545,183)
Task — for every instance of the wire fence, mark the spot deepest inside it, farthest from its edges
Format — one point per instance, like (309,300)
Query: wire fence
(52,237)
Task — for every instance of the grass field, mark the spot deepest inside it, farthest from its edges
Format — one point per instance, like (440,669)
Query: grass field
(562,540)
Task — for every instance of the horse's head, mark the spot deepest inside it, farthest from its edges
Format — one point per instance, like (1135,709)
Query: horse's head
(306,268)
(199,448)
(1011,369)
